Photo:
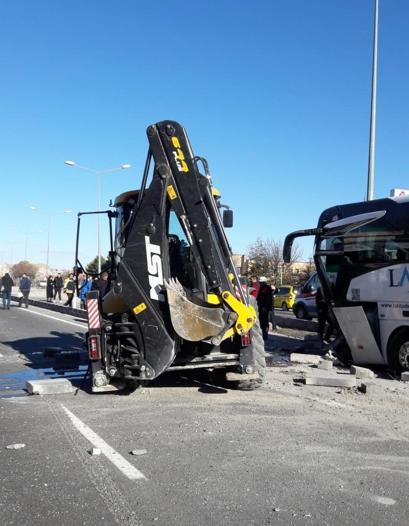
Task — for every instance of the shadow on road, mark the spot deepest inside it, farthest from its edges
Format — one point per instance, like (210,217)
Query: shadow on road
(57,355)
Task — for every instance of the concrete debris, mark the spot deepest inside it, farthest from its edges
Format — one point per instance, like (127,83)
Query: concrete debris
(15,446)
(309,359)
(343,380)
(326,365)
(330,356)
(95,451)
(405,376)
(362,372)
(362,388)
(138,452)
(51,386)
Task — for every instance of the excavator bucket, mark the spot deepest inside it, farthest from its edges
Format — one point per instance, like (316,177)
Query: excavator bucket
(191,321)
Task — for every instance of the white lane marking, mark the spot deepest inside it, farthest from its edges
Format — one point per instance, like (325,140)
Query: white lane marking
(118,460)
(83,326)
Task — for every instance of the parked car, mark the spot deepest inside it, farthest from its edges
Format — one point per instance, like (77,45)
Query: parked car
(284,297)
(305,306)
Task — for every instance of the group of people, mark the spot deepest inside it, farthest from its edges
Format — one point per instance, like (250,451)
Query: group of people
(54,287)
(85,284)
(6,286)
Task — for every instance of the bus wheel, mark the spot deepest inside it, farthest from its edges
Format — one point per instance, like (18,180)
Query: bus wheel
(398,352)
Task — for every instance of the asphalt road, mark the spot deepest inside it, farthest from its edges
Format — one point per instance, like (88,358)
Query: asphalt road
(206,455)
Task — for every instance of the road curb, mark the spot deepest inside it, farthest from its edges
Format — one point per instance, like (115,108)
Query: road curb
(55,307)
(282,321)
(295,323)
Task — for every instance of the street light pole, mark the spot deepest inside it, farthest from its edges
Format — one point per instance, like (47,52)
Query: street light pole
(98,177)
(371,160)
(98,174)
(50,216)
(48,244)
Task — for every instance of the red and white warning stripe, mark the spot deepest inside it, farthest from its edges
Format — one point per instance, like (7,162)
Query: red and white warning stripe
(94,321)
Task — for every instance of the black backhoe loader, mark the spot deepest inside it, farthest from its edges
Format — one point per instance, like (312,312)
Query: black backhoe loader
(174,300)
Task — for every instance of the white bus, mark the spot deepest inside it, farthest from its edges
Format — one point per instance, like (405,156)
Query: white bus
(361,253)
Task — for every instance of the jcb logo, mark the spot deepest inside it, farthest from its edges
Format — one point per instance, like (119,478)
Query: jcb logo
(179,156)
(154,269)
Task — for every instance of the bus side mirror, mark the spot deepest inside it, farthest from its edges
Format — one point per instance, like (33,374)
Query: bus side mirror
(227,218)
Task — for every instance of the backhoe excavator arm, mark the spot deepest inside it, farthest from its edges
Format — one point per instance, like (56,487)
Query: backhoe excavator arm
(144,281)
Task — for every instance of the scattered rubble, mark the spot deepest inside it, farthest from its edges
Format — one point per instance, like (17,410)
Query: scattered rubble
(326,365)
(15,446)
(343,380)
(309,359)
(138,452)
(362,388)
(50,386)
(405,376)
(362,373)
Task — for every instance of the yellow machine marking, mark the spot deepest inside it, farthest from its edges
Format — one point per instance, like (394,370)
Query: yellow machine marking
(139,308)
(246,315)
(171,192)
(179,155)
(213,299)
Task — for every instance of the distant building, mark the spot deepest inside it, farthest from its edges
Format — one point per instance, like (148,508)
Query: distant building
(241,263)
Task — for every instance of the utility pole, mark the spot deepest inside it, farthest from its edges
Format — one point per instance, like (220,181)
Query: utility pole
(371,160)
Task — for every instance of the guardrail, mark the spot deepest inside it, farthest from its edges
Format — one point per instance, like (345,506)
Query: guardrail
(282,321)
(56,307)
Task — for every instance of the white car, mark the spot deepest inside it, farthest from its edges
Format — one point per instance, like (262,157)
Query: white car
(305,306)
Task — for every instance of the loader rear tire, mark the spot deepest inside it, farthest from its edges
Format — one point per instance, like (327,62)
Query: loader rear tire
(259,354)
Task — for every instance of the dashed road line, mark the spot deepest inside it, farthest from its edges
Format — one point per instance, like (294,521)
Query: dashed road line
(116,458)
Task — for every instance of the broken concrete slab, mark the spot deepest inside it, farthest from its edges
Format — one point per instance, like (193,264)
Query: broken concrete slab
(405,376)
(309,359)
(138,452)
(326,365)
(343,380)
(362,372)
(51,386)
(15,446)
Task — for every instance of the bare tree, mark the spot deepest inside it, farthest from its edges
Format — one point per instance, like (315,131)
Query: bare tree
(266,259)
(306,272)
(24,267)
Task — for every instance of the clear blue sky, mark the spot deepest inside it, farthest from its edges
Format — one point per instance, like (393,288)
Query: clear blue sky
(276,95)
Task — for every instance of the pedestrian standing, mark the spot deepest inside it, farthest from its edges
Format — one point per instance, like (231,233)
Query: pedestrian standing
(272,313)
(85,287)
(50,288)
(25,287)
(58,286)
(265,305)
(6,284)
(253,286)
(69,289)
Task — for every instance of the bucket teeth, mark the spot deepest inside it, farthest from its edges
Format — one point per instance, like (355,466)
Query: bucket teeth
(191,321)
